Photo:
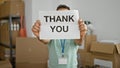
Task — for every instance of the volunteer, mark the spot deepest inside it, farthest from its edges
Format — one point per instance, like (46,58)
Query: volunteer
(62,52)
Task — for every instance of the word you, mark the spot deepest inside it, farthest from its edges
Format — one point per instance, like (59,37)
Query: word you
(59,28)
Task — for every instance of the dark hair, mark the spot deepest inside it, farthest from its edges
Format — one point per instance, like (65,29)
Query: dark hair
(63,6)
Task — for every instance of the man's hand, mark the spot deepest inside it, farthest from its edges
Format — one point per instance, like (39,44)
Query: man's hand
(36,31)
(83,30)
(36,28)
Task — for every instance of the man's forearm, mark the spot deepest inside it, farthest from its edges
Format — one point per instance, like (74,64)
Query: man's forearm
(78,41)
(45,41)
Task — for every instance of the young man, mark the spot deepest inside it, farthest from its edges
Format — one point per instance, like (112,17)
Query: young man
(62,50)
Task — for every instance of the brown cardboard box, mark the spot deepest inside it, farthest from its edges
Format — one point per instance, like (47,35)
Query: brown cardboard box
(13,8)
(85,59)
(105,54)
(118,60)
(15,34)
(2,1)
(1,27)
(12,0)
(106,48)
(118,48)
(0,33)
(88,40)
(31,52)
(5,64)
(5,35)
(31,65)
(2,52)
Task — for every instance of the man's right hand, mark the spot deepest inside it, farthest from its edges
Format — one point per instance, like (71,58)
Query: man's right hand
(36,28)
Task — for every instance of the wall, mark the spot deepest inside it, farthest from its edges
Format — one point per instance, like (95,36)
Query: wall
(104,14)
(28,16)
(32,8)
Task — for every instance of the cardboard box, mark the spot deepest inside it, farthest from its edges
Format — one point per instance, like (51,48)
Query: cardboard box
(85,59)
(2,1)
(11,8)
(105,55)
(15,34)
(106,48)
(13,0)
(30,51)
(88,40)
(31,65)
(2,53)
(5,64)
(0,33)
(118,48)
(103,63)
(5,35)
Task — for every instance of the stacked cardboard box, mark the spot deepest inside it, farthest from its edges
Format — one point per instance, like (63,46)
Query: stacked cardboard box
(88,41)
(5,64)
(12,0)
(5,35)
(2,53)
(12,7)
(31,53)
(98,53)
(9,8)
(85,59)
(2,1)
(105,55)
(118,48)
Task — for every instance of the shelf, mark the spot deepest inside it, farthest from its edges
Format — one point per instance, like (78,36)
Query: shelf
(13,17)
(7,46)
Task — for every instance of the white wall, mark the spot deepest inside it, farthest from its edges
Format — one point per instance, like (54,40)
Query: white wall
(28,16)
(41,5)
(104,14)
(32,8)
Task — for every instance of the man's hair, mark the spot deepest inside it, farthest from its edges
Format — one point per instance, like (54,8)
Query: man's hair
(63,6)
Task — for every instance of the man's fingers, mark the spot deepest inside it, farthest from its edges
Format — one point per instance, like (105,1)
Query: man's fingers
(37,23)
(36,34)
(80,21)
(36,27)
(35,30)
(82,26)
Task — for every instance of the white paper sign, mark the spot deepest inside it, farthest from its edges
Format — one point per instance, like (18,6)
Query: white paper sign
(59,24)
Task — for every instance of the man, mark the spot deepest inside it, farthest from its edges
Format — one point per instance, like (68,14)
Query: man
(62,50)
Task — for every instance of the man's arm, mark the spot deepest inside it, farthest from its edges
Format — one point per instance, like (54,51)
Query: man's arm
(45,41)
(83,30)
(78,41)
(36,31)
